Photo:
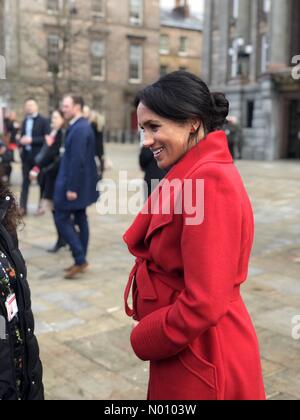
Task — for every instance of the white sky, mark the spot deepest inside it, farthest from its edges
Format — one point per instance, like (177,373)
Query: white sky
(196,5)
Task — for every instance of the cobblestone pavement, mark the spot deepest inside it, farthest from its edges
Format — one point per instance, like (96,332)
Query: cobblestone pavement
(83,332)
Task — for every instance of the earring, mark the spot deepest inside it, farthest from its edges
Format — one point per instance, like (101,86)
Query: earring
(193,130)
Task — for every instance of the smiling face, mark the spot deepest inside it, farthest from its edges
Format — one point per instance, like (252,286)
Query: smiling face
(169,141)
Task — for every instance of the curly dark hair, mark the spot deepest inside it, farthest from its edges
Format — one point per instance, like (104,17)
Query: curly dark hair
(12,219)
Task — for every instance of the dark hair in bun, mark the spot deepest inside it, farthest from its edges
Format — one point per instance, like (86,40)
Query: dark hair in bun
(221,108)
(180,96)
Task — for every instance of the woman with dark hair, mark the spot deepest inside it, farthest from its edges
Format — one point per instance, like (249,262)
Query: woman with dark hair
(97,122)
(48,162)
(192,242)
(20,365)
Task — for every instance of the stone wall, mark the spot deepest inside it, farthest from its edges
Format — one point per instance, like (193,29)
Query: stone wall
(192,60)
(28,25)
(267,134)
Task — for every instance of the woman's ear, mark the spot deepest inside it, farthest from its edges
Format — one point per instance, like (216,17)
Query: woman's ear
(196,124)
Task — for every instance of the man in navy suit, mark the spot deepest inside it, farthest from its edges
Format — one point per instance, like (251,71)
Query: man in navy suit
(76,184)
(34,129)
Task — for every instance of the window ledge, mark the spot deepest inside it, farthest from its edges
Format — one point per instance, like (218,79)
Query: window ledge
(53,12)
(98,15)
(135,81)
(98,78)
(59,75)
(136,22)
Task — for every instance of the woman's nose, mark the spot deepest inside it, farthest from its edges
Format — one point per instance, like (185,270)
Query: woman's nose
(148,140)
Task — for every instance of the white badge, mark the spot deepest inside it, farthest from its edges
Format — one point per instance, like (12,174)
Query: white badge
(11,307)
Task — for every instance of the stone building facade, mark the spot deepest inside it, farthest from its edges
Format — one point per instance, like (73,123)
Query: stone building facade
(1,27)
(250,52)
(105,50)
(180,40)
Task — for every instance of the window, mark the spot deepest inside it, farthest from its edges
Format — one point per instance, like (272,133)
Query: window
(183,48)
(98,59)
(264,53)
(98,103)
(164,44)
(136,63)
(235,8)
(234,64)
(250,113)
(98,8)
(54,42)
(53,5)
(266,6)
(264,9)
(163,70)
(136,12)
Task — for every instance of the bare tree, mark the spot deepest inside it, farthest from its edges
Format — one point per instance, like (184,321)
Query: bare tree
(59,60)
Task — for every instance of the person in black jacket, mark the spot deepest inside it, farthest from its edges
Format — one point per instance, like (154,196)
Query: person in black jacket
(12,129)
(153,174)
(34,129)
(235,138)
(48,163)
(6,158)
(97,122)
(20,366)
(11,132)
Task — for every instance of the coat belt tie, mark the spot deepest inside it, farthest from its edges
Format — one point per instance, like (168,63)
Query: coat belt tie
(144,284)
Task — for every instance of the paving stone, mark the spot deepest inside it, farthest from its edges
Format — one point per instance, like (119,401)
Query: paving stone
(279,320)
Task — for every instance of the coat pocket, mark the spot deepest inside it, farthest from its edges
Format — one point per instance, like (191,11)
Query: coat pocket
(205,372)
(185,376)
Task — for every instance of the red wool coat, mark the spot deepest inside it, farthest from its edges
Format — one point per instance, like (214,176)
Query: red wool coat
(194,327)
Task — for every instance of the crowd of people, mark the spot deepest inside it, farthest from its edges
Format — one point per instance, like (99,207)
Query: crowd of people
(64,155)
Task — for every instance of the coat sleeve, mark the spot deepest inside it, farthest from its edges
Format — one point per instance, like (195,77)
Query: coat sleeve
(210,255)
(50,153)
(77,159)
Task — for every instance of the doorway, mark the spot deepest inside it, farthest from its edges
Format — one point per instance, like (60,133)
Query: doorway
(294,129)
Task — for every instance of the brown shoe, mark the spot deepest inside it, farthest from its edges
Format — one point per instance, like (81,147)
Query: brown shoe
(76,269)
(85,267)
(69,268)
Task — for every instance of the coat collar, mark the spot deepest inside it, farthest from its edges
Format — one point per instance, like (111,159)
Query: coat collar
(74,124)
(75,120)
(213,148)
